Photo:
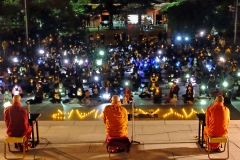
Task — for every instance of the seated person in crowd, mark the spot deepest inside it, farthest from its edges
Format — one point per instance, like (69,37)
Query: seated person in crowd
(1,91)
(62,90)
(95,90)
(217,121)
(17,90)
(188,97)
(30,86)
(38,95)
(116,119)
(73,91)
(106,94)
(145,93)
(125,99)
(7,97)
(45,88)
(80,94)
(174,90)
(55,96)
(16,120)
(128,93)
(157,94)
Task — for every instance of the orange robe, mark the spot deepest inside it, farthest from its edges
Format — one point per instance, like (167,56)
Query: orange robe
(116,119)
(217,121)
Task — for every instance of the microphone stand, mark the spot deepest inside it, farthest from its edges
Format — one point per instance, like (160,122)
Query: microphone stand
(29,110)
(133,124)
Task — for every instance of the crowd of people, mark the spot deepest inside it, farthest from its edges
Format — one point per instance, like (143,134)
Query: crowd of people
(59,72)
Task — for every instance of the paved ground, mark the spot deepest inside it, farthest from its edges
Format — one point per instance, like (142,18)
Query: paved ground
(80,136)
(160,140)
(93,110)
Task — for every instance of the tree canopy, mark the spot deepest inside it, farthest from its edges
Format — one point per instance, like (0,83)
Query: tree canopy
(191,16)
(46,16)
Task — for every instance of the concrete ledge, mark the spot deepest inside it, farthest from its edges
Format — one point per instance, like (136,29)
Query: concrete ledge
(160,139)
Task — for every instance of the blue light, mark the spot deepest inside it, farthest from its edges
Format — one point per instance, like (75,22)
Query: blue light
(178,64)
(179,38)
(186,38)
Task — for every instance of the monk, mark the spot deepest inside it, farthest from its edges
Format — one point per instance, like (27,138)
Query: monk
(217,121)
(16,120)
(116,119)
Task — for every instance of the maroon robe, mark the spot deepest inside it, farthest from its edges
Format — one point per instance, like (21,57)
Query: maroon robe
(16,119)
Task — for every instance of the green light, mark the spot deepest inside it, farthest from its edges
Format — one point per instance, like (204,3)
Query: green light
(203,87)
(126,83)
(101,53)
(225,84)
(99,62)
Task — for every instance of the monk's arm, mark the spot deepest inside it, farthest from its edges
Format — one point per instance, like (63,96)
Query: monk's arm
(207,117)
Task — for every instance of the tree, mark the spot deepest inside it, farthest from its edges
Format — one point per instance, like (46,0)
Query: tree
(191,16)
(47,16)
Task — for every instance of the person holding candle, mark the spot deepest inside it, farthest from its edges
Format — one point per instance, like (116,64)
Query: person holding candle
(157,94)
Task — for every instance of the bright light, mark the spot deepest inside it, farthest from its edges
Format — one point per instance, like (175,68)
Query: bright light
(41,51)
(133,19)
(99,62)
(106,96)
(96,78)
(121,97)
(47,55)
(101,53)
(225,84)
(65,61)
(238,74)
(80,62)
(157,59)
(187,76)
(6,104)
(179,38)
(9,71)
(160,52)
(16,92)
(203,102)
(65,53)
(15,59)
(126,83)
(201,33)
(222,59)
(203,87)
(186,38)
(164,59)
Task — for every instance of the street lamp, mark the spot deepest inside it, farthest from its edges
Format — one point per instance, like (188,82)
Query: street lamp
(26,19)
(236,21)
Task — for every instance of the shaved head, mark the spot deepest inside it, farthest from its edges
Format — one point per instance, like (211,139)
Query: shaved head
(16,98)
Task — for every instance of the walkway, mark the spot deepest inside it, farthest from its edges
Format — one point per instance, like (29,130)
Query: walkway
(160,140)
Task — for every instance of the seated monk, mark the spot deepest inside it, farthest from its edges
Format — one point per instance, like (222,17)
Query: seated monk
(16,119)
(116,119)
(217,121)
